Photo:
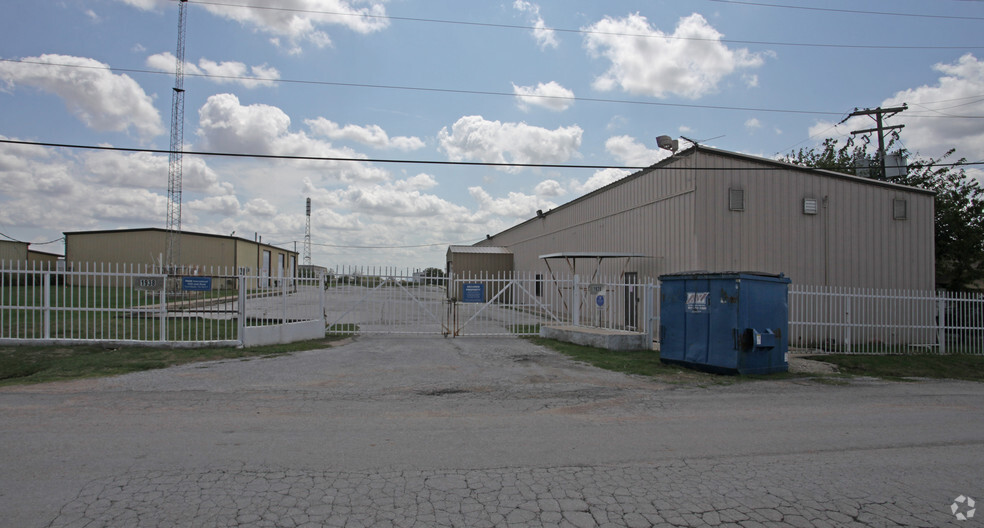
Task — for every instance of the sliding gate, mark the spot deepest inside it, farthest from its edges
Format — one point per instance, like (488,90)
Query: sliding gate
(386,301)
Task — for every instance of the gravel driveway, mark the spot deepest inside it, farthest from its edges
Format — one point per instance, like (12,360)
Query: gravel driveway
(480,432)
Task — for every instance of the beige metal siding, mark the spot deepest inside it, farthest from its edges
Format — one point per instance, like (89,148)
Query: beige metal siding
(42,260)
(647,213)
(123,247)
(852,241)
(11,251)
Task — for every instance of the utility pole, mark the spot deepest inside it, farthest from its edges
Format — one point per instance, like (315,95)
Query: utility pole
(880,114)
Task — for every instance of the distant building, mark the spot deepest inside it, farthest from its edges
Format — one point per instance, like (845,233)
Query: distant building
(713,210)
(200,252)
(20,254)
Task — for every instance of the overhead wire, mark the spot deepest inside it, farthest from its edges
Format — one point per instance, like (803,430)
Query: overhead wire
(582,30)
(379,160)
(849,11)
(462,91)
(432,89)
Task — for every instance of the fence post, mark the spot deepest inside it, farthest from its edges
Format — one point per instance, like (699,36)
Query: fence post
(647,308)
(283,295)
(847,322)
(241,326)
(46,302)
(323,288)
(163,310)
(941,321)
(576,302)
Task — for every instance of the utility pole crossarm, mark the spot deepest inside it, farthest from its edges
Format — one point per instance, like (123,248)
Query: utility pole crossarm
(879,115)
(865,131)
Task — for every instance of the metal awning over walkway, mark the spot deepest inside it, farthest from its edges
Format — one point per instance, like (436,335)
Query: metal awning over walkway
(571,257)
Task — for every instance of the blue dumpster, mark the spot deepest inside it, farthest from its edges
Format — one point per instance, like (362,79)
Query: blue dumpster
(734,322)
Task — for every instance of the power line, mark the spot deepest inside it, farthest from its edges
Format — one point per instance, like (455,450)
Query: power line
(463,92)
(851,11)
(434,90)
(587,31)
(398,161)
(32,243)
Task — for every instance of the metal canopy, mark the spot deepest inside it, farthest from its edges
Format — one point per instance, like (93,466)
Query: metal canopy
(597,256)
(573,256)
(590,254)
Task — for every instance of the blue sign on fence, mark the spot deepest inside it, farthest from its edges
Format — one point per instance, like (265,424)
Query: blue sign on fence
(473,292)
(196,283)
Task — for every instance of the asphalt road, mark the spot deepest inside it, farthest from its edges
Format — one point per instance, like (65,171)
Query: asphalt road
(482,432)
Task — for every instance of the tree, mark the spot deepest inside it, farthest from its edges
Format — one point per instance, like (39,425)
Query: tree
(433,276)
(959,204)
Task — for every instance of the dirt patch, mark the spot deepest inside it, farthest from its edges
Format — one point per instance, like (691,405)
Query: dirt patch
(802,365)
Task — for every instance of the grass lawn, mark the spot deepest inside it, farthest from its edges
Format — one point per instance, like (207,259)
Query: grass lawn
(890,367)
(954,366)
(36,364)
(637,362)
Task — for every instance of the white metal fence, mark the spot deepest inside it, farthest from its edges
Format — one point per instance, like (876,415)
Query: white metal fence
(85,302)
(866,321)
(79,303)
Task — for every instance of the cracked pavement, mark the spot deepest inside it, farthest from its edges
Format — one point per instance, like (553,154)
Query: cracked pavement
(481,432)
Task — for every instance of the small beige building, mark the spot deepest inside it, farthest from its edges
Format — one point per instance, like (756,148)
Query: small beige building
(19,254)
(713,210)
(201,253)
(12,251)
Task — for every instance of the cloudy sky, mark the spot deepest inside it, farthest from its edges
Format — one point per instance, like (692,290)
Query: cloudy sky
(570,82)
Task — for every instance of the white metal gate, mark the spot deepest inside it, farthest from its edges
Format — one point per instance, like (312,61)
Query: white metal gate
(388,301)
(385,301)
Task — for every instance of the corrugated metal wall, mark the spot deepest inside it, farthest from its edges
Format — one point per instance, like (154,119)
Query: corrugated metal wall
(678,216)
(13,251)
(124,247)
(147,246)
(853,240)
(644,214)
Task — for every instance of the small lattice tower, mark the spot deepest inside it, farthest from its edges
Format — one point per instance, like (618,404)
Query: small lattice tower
(172,255)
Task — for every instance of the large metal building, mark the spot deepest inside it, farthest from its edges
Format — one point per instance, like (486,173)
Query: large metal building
(714,210)
(198,250)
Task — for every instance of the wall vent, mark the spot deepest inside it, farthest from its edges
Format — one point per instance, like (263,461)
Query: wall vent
(736,199)
(900,209)
(810,206)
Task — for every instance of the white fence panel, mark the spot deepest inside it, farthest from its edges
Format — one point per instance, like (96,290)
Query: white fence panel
(866,321)
(92,302)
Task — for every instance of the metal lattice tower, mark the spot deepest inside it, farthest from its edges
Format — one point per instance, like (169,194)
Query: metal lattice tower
(172,257)
(307,236)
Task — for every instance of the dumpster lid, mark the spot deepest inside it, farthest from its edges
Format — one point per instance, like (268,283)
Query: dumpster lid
(724,275)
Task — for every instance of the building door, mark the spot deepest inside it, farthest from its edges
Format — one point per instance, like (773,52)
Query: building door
(265,270)
(631,300)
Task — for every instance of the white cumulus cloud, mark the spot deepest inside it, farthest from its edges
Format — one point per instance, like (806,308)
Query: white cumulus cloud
(632,153)
(514,205)
(476,138)
(598,180)
(102,100)
(545,37)
(549,188)
(227,125)
(371,135)
(549,95)
(690,62)
(226,72)
(298,21)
